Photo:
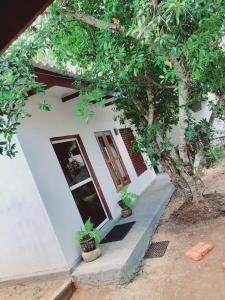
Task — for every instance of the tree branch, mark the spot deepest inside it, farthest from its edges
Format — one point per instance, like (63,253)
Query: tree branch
(214,113)
(139,106)
(79,16)
(150,114)
(163,86)
(151,110)
(150,81)
(155,5)
(183,83)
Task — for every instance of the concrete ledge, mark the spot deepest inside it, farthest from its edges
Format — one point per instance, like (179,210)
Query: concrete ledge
(65,292)
(35,278)
(120,260)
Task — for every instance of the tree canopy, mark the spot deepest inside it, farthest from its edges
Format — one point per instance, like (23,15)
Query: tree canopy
(16,80)
(159,58)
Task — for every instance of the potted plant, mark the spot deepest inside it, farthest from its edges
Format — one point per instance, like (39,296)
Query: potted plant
(126,201)
(87,238)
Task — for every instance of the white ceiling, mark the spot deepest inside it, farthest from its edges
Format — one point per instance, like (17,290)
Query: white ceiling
(59,91)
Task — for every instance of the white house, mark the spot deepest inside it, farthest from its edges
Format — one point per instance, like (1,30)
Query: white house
(65,172)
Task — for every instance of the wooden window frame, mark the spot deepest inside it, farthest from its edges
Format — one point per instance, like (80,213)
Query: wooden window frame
(112,159)
(90,168)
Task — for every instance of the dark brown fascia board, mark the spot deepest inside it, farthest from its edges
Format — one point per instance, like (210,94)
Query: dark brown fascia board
(53,78)
(71,96)
(50,79)
(109,103)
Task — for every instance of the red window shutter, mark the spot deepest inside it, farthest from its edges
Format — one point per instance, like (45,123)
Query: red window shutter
(136,157)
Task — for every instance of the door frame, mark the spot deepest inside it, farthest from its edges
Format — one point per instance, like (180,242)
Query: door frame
(90,168)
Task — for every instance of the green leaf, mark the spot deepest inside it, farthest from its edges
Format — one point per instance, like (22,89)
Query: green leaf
(88,231)
(44,106)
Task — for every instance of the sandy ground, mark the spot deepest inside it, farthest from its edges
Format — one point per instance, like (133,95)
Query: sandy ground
(174,277)
(36,290)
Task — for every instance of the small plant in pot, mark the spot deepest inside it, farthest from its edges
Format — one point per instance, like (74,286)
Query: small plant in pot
(87,238)
(126,201)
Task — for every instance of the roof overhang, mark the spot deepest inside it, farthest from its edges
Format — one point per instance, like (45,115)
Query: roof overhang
(51,79)
(16,16)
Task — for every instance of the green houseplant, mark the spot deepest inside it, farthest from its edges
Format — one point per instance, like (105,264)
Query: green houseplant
(126,201)
(87,238)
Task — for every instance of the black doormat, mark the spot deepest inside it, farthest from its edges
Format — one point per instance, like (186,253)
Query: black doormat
(118,233)
(157,249)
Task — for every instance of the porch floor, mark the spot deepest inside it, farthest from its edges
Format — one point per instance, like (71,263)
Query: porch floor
(121,260)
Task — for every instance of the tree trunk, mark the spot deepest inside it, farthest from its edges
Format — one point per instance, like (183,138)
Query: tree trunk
(178,181)
(186,172)
(196,186)
(183,118)
(192,186)
(183,177)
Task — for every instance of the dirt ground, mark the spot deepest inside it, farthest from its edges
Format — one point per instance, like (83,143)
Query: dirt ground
(174,277)
(38,290)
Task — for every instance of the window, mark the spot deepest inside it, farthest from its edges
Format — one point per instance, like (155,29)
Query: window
(113,159)
(135,156)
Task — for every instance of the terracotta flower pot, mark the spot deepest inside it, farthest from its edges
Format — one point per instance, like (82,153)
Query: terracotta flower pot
(126,212)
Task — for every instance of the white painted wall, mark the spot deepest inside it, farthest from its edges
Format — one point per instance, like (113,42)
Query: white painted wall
(28,244)
(218,125)
(203,113)
(34,136)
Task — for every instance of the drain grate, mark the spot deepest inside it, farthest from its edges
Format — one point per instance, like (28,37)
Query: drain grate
(157,249)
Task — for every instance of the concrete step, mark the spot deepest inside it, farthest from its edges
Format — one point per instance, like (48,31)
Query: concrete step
(65,292)
(120,260)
